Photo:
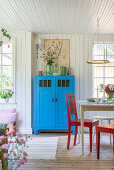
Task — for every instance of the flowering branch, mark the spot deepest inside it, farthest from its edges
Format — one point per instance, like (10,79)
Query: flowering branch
(13,149)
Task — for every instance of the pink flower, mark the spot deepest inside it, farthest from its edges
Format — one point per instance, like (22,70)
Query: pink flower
(19,134)
(21,141)
(21,162)
(5,155)
(2,137)
(14,153)
(25,154)
(0,140)
(13,131)
(9,133)
(8,46)
(10,142)
(5,146)
(9,90)
(107,89)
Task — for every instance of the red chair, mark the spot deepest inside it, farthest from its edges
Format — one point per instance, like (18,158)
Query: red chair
(71,110)
(104,128)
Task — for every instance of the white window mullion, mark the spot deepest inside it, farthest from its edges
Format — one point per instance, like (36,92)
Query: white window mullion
(1,69)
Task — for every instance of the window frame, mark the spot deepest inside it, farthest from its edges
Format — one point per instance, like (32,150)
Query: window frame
(13,100)
(111,42)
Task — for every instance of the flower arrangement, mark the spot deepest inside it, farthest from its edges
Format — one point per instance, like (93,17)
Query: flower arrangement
(53,52)
(6,93)
(13,150)
(109,89)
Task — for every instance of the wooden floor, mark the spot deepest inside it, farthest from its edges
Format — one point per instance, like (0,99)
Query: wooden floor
(72,159)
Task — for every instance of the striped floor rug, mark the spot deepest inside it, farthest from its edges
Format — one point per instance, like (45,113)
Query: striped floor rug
(42,148)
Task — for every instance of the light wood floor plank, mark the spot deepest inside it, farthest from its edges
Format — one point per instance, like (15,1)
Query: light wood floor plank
(72,159)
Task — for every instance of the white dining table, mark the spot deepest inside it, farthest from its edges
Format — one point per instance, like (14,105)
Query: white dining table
(83,106)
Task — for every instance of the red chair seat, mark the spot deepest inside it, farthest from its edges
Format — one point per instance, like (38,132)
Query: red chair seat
(87,122)
(103,128)
(71,110)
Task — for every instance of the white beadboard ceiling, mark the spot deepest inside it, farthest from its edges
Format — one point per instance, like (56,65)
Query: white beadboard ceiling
(57,16)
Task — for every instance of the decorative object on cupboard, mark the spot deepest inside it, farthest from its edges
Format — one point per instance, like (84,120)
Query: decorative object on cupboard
(40,73)
(51,55)
(72,111)
(49,69)
(50,110)
(100,45)
(104,128)
(37,45)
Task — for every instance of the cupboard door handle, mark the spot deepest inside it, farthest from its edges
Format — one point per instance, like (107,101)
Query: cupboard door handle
(56,99)
(52,99)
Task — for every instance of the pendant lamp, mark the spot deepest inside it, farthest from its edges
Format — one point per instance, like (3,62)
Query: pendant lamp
(98,41)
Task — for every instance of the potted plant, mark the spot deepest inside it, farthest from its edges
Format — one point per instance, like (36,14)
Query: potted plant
(5,34)
(6,94)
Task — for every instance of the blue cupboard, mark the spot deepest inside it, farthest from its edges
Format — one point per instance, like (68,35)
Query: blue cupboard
(50,110)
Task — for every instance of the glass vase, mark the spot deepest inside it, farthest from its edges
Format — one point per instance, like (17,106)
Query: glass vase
(49,69)
(6,99)
(110,98)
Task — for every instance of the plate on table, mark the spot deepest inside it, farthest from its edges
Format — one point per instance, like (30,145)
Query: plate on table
(91,99)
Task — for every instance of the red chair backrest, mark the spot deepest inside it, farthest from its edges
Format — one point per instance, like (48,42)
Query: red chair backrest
(71,105)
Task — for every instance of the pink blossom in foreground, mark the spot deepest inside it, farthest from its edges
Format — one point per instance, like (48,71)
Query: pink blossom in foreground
(5,155)
(21,141)
(9,90)
(10,142)
(14,153)
(2,137)
(0,140)
(9,133)
(21,162)
(13,131)
(20,135)
(25,154)
(5,146)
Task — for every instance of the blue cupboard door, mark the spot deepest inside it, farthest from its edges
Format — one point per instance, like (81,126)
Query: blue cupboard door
(64,84)
(46,114)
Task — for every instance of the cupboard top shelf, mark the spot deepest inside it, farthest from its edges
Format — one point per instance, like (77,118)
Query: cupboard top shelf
(56,76)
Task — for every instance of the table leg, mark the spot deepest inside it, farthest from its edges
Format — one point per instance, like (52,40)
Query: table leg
(109,134)
(79,126)
(82,130)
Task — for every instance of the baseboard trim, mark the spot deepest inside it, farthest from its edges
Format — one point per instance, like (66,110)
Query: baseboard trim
(25,130)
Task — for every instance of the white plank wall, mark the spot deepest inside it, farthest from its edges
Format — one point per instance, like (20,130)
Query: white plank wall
(79,54)
(23,82)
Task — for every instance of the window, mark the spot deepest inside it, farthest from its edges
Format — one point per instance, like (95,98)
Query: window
(7,80)
(103,73)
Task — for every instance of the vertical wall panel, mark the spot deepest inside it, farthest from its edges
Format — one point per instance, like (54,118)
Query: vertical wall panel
(23,82)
